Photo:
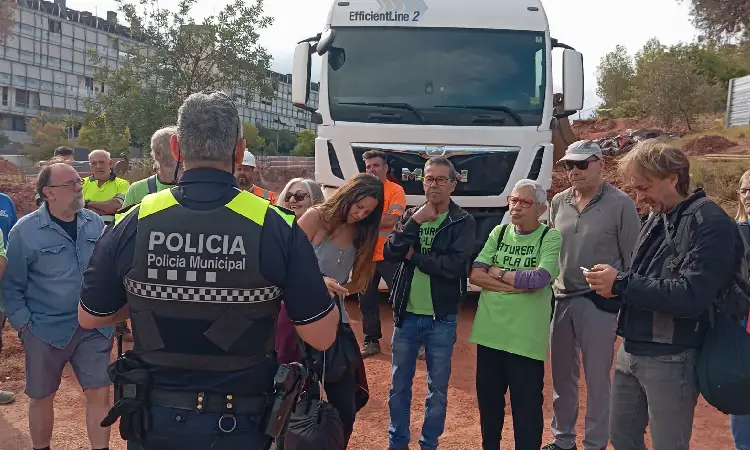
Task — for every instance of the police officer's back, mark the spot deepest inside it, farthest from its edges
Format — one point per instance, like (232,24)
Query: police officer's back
(200,270)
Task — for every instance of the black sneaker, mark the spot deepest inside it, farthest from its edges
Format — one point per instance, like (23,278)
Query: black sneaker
(557,447)
(370,349)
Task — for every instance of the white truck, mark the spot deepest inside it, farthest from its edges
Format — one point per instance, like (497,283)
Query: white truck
(470,80)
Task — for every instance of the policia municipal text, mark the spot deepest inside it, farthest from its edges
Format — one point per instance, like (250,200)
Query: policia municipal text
(203,372)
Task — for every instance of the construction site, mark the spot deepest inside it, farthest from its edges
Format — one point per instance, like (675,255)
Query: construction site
(719,156)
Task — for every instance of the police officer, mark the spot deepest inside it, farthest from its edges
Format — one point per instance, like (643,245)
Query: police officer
(200,269)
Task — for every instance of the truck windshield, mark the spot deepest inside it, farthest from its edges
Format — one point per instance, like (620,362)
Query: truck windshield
(437,76)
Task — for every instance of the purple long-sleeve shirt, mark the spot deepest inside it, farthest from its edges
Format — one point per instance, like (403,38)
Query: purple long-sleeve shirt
(530,280)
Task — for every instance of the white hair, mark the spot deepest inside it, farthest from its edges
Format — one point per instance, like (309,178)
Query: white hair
(100,152)
(312,188)
(540,195)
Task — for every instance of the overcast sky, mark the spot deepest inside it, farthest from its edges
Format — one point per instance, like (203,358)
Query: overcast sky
(593,27)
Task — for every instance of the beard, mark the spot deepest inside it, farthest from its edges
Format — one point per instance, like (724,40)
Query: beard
(77,204)
(243,180)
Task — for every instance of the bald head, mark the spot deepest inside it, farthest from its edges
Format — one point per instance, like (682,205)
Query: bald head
(59,185)
(101,164)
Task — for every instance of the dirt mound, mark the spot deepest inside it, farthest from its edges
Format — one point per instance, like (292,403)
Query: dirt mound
(8,168)
(275,179)
(22,194)
(604,127)
(706,145)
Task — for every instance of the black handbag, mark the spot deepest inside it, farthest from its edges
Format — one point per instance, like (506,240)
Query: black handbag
(314,425)
(341,359)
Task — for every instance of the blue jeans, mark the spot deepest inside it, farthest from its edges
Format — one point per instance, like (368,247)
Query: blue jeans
(438,337)
(741,431)
(177,429)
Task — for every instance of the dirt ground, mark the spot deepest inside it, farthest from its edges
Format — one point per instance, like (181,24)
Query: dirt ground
(710,430)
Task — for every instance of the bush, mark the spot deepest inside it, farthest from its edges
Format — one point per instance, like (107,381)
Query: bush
(720,179)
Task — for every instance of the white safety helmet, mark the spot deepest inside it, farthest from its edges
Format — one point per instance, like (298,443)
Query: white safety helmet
(248,159)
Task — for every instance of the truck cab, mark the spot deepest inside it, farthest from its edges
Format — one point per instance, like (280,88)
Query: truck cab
(469,80)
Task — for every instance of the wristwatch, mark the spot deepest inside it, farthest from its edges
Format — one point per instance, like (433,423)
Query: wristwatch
(619,284)
(500,275)
(86,203)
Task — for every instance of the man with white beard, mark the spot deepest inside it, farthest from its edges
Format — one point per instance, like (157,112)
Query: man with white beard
(48,251)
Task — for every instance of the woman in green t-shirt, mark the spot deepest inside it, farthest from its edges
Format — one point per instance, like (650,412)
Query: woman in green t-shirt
(511,327)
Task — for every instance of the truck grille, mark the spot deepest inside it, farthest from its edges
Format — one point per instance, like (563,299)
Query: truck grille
(487,171)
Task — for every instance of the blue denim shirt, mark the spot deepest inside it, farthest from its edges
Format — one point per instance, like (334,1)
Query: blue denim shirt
(42,284)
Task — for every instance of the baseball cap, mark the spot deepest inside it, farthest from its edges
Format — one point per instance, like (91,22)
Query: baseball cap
(582,150)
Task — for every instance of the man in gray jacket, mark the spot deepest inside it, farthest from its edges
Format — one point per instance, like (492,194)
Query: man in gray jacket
(598,223)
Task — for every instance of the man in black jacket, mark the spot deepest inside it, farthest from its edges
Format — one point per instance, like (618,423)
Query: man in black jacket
(665,299)
(433,245)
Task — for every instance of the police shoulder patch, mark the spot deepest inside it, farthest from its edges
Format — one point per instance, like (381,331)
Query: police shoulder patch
(285,214)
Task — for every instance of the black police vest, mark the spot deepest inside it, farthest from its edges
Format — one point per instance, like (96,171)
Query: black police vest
(196,296)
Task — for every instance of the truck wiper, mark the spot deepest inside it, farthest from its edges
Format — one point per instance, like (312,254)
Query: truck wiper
(405,106)
(504,109)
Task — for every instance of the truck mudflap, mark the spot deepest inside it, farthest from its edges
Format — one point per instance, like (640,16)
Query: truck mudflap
(562,133)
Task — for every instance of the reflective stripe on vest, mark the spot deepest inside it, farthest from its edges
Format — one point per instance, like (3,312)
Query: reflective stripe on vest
(197,298)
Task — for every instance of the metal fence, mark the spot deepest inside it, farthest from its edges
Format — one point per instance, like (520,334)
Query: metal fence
(738,102)
(286,162)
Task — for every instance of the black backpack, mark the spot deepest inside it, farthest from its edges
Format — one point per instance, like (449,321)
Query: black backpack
(723,365)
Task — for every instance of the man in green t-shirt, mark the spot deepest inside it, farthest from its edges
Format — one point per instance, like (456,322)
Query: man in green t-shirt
(432,244)
(163,179)
(511,327)
(165,166)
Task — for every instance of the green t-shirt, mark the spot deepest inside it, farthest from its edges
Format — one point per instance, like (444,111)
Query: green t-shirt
(518,323)
(420,296)
(139,189)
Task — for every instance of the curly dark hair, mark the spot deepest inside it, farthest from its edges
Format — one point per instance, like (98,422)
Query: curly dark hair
(336,210)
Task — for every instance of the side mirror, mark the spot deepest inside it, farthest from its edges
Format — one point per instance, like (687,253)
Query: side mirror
(326,39)
(301,74)
(572,80)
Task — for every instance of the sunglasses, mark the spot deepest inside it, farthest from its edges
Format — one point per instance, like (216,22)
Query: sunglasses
(517,200)
(580,165)
(299,196)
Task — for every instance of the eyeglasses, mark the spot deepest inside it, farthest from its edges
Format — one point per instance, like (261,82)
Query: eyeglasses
(580,165)
(68,184)
(440,181)
(521,201)
(299,196)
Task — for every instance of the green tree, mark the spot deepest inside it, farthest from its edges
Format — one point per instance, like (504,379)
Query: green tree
(305,143)
(267,134)
(722,19)
(7,18)
(670,86)
(255,143)
(720,63)
(176,56)
(287,141)
(270,149)
(614,77)
(46,136)
(98,133)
